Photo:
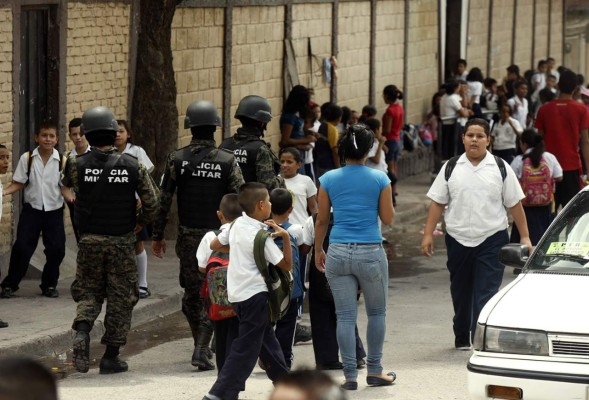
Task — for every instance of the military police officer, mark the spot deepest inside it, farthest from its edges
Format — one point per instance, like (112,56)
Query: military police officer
(257,161)
(105,183)
(201,174)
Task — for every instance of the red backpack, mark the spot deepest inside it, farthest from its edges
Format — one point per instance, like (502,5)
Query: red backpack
(214,289)
(537,183)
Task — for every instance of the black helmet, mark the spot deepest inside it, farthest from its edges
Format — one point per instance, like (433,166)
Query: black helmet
(254,107)
(99,119)
(201,113)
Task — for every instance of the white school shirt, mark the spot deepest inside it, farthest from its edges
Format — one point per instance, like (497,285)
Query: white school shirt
(203,253)
(553,165)
(1,189)
(449,106)
(476,199)
(382,164)
(243,278)
(140,155)
(504,134)
(302,187)
(521,113)
(308,232)
(296,232)
(475,88)
(75,153)
(43,191)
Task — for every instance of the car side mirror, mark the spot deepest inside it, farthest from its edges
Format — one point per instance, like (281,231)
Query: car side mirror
(514,255)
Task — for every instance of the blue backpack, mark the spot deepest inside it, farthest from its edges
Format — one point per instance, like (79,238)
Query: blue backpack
(297,290)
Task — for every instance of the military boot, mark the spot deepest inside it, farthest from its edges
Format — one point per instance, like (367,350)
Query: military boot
(113,365)
(201,361)
(81,356)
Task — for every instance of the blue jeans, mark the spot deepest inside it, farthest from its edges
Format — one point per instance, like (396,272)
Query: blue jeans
(349,266)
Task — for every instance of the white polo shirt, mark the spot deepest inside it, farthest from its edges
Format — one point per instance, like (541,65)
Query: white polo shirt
(505,136)
(308,232)
(476,199)
(203,253)
(243,278)
(43,191)
(521,111)
(140,155)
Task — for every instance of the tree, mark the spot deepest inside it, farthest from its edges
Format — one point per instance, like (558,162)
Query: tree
(154,115)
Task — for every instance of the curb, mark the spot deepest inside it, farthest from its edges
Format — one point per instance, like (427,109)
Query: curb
(58,341)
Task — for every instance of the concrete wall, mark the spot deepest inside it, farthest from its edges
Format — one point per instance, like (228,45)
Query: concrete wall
(97,60)
(422,63)
(524,31)
(390,42)
(541,42)
(556,20)
(6,128)
(197,43)
(478,32)
(258,34)
(501,41)
(312,22)
(353,58)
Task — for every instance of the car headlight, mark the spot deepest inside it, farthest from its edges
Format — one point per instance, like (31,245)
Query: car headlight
(502,340)
(479,337)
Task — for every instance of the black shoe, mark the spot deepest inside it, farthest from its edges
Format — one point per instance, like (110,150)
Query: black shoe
(50,292)
(3,324)
(7,293)
(360,363)
(349,385)
(330,366)
(380,381)
(81,355)
(201,361)
(462,342)
(302,333)
(113,365)
(144,292)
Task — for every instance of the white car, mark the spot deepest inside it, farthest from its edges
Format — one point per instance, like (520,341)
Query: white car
(532,338)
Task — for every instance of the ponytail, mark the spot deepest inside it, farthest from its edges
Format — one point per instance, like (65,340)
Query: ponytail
(392,93)
(536,143)
(355,142)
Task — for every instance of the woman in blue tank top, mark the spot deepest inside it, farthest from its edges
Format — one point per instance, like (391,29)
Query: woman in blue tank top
(359,195)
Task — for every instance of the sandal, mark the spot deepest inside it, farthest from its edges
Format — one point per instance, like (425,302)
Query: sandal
(144,292)
(372,380)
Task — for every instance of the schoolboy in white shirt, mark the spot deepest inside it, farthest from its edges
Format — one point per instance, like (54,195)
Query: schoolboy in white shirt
(248,294)
(42,213)
(477,196)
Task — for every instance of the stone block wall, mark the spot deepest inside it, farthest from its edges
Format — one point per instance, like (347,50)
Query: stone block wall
(422,71)
(478,32)
(353,57)
(258,34)
(390,42)
(541,43)
(501,41)
(97,60)
(524,31)
(197,46)
(556,31)
(312,22)
(6,127)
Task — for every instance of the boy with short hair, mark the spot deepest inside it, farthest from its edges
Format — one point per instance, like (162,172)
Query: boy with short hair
(282,201)
(225,329)
(248,293)
(326,155)
(38,172)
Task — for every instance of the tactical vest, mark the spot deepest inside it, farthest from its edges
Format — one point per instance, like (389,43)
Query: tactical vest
(201,185)
(114,211)
(246,152)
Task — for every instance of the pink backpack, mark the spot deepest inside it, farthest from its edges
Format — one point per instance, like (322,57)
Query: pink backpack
(537,183)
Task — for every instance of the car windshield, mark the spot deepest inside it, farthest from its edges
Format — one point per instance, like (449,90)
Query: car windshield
(565,246)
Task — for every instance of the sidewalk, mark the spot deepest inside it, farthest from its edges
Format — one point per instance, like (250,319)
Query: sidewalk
(41,326)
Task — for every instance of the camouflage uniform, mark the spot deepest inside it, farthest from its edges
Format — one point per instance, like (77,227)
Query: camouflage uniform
(267,164)
(106,266)
(191,278)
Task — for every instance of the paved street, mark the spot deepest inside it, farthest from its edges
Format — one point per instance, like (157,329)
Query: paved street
(419,348)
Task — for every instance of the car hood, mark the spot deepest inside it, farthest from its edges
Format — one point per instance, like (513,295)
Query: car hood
(541,301)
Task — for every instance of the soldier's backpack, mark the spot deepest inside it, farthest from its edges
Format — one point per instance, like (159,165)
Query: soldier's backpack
(537,183)
(215,287)
(278,281)
(297,290)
